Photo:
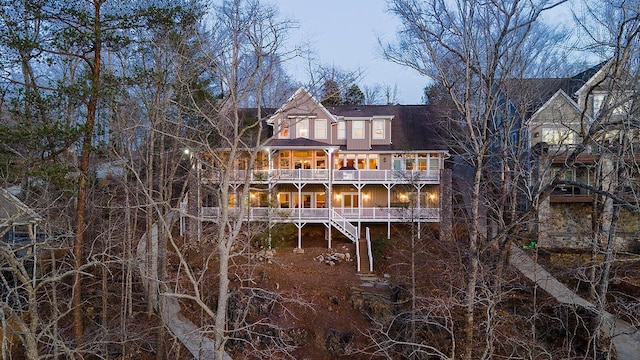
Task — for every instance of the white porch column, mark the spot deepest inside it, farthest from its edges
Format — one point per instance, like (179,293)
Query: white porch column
(388,211)
(329,194)
(299,226)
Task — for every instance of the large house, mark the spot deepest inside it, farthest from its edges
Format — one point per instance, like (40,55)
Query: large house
(343,168)
(582,133)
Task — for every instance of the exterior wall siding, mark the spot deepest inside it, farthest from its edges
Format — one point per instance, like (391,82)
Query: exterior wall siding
(359,144)
(387,134)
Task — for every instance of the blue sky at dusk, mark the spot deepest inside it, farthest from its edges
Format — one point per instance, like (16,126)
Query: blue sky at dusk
(344,33)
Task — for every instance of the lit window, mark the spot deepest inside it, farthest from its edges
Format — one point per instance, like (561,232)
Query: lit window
(284,129)
(555,136)
(598,101)
(357,129)
(615,106)
(342,130)
(302,128)
(378,129)
(320,128)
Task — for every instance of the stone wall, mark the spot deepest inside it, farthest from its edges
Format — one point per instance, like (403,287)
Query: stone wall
(568,226)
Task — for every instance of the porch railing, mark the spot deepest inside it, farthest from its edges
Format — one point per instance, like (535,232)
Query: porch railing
(322,175)
(321,214)
(385,175)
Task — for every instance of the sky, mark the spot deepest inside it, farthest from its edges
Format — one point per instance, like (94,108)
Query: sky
(344,34)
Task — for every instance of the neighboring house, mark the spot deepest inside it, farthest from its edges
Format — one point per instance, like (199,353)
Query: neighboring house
(346,167)
(589,108)
(18,222)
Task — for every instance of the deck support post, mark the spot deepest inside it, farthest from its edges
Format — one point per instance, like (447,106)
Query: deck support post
(419,202)
(299,225)
(388,186)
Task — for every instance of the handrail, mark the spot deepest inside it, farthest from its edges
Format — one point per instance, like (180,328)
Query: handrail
(369,253)
(322,175)
(345,226)
(358,255)
(355,214)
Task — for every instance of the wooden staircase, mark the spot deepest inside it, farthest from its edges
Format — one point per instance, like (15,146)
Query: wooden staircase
(365,265)
(344,226)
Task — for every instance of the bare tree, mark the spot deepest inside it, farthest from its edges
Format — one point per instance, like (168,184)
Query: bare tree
(242,52)
(611,100)
(474,49)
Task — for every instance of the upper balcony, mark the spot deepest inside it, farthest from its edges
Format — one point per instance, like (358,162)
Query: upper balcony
(337,176)
(570,194)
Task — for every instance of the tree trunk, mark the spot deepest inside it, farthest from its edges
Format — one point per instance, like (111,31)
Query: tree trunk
(92,106)
(472,266)
(223,299)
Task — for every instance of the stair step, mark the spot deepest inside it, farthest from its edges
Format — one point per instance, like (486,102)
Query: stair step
(366,277)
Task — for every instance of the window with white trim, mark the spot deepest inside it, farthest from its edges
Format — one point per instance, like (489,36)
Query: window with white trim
(320,128)
(283,132)
(302,128)
(378,129)
(342,130)
(557,136)
(614,105)
(357,129)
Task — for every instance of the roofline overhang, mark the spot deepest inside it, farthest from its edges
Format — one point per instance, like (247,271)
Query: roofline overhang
(298,147)
(559,93)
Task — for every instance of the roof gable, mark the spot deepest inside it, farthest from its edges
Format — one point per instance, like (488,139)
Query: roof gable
(592,76)
(14,211)
(301,103)
(561,96)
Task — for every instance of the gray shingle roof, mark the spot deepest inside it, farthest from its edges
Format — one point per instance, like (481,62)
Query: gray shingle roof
(414,127)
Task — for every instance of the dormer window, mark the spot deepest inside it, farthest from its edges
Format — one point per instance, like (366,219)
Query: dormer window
(378,129)
(357,129)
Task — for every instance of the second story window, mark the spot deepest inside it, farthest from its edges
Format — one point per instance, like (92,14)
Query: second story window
(616,106)
(556,136)
(342,130)
(284,129)
(357,129)
(378,129)
(320,128)
(302,128)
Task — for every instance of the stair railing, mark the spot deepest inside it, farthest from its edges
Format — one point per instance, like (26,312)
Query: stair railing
(369,252)
(344,226)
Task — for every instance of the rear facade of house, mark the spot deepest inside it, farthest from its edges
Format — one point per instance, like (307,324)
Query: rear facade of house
(343,168)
